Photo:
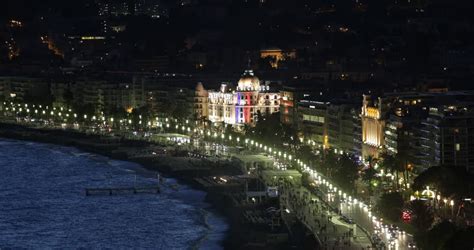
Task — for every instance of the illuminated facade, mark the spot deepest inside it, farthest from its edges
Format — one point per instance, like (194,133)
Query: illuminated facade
(312,121)
(277,55)
(373,126)
(287,107)
(241,105)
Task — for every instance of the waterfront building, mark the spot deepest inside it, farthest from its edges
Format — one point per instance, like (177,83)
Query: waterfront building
(330,124)
(447,136)
(373,125)
(312,121)
(291,95)
(201,99)
(287,106)
(109,94)
(18,88)
(343,126)
(241,105)
(423,129)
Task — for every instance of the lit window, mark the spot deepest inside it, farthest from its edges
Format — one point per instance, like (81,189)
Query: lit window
(458,147)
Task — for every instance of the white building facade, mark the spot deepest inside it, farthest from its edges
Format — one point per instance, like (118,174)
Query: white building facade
(241,105)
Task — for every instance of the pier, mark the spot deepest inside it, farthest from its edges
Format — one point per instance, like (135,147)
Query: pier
(122,190)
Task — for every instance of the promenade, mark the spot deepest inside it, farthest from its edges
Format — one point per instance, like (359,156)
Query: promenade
(332,232)
(218,147)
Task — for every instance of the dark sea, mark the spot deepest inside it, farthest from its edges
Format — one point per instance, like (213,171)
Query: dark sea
(43,204)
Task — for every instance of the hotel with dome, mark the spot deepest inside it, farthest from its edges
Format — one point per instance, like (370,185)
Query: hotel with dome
(241,105)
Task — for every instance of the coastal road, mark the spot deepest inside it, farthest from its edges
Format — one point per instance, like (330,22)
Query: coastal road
(363,219)
(392,238)
(359,215)
(332,232)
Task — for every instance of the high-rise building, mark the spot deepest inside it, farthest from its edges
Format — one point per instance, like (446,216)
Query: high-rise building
(425,129)
(344,127)
(312,122)
(330,124)
(448,136)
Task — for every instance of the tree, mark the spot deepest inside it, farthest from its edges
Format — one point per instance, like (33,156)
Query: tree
(449,180)
(346,172)
(437,237)
(369,176)
(288,133)
(329,162)
(461,239)
(390,205)
(268,130)
(391,165)
(371,160)
(118,113)
(46,99)
(343,169)
(422,215)
(167,105)
(182,111)
(99,107)
(305,153)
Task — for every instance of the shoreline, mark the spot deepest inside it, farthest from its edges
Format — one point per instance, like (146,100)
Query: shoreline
(116,149)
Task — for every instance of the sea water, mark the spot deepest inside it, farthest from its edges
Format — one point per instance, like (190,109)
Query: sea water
(43,204)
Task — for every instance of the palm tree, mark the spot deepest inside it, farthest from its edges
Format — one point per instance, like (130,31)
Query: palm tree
(423,215)
(389,164)
(371,161)
(402,166)
(369,175)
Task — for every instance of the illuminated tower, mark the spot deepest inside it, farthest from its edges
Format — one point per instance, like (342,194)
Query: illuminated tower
(373,126)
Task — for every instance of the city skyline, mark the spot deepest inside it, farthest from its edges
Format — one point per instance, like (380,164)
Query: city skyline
(324,124)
